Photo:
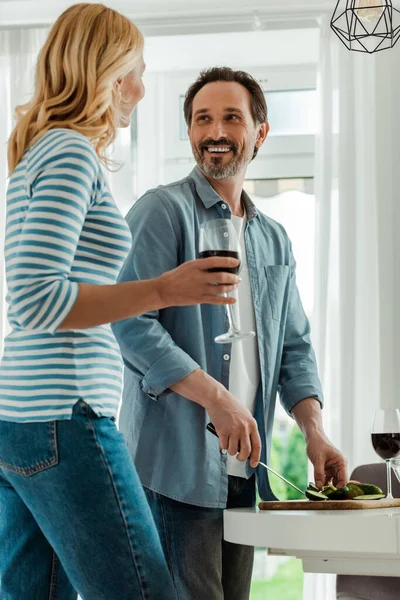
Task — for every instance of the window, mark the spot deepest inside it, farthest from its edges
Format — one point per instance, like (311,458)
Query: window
(292,112)
(123,178)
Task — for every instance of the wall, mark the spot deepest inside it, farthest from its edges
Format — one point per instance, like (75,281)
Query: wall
(256,48)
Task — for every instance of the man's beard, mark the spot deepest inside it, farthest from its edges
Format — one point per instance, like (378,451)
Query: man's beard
(216,169)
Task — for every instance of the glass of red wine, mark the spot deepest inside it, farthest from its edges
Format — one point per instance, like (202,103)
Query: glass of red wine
(218,238)
(385,433)
(396,467)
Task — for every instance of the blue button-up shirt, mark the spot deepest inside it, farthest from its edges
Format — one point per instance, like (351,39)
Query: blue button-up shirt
(174,453)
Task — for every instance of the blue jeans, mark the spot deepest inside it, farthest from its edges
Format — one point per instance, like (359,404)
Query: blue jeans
(73,515)
(203,565)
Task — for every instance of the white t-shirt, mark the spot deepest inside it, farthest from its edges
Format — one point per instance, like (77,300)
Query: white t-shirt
(244,376)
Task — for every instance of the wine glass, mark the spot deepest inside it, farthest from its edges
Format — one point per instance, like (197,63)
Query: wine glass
(395,464)
(218,238)
(385,434)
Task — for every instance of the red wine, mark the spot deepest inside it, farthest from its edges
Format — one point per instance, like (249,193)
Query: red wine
(223,253)
(386,445)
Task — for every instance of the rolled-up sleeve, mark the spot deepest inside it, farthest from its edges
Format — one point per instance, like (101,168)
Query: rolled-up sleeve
(298,373)
(147,348)
(39,261)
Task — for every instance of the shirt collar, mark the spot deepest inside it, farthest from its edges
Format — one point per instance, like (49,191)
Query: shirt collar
(209,196)
(249,206)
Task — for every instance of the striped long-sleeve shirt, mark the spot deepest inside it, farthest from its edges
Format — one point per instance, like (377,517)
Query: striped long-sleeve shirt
(63,227)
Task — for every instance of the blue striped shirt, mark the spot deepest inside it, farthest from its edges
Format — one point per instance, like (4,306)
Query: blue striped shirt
(63,227)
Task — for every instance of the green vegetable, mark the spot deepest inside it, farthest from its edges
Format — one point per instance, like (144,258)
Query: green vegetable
(342,493)
(325,488)
(351,491)
(328,490)
(355,490)
(369,488)
(311,495)
(312,487)
(370,497)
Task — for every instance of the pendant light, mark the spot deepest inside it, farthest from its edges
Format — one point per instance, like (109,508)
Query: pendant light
(366,25)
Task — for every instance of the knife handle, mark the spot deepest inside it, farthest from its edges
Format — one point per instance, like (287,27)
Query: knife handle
(210,427)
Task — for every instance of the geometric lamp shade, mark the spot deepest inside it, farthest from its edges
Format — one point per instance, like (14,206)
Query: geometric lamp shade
(366,25)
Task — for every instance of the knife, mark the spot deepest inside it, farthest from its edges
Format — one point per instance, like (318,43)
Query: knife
(211,429)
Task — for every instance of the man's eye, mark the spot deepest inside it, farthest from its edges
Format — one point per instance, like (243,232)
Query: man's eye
(202,118)
(232,117)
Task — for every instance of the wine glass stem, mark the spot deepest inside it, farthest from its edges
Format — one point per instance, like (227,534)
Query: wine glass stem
(389,479)
(231,316)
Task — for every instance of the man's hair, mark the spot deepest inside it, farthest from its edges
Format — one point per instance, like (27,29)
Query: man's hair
(258,104)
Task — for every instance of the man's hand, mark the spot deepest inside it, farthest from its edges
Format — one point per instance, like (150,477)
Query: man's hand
(329,464)
(236,427)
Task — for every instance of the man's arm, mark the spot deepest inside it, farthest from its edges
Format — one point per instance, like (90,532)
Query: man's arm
(234,423)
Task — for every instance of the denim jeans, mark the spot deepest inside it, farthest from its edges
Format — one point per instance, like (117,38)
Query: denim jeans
(73,515)
(203,565)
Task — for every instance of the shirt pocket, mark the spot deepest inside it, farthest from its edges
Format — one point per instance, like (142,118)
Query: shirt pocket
(277,281)
(28,448)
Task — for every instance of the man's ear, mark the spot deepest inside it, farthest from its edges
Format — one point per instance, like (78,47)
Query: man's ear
(262,133)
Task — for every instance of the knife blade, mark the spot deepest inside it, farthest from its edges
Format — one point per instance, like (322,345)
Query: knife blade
(281,477)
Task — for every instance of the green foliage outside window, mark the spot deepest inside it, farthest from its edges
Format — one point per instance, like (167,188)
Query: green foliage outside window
(289,458)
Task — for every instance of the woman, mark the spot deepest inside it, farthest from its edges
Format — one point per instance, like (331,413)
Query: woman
(73,516)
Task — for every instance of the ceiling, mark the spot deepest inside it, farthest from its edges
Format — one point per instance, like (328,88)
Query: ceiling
(174,16)
(264,4)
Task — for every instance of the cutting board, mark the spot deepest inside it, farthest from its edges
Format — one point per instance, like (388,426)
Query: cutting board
(330,504)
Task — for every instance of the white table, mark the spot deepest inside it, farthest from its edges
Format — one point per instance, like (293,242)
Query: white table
(348,542)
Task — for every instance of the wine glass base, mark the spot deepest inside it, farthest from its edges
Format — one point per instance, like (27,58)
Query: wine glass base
(233,336)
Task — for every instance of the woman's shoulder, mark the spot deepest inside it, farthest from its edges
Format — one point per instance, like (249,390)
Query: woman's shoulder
(58,139)
(63,148)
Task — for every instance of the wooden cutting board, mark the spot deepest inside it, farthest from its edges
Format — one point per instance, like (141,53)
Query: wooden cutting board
(330,504)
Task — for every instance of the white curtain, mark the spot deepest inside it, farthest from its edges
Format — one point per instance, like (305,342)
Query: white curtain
(356,326)
(348,293)
(18,51)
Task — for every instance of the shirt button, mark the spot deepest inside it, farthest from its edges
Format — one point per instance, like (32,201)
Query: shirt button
(226,357)
(223,206)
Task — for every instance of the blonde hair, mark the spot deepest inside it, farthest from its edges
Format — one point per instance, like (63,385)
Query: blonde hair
(87,50)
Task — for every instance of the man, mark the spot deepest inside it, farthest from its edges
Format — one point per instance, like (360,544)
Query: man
(177,378)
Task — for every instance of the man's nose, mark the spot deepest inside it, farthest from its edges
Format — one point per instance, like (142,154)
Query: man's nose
(217,130)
